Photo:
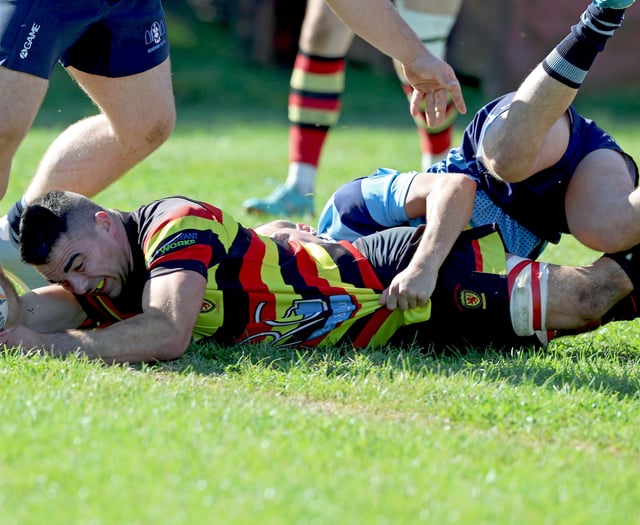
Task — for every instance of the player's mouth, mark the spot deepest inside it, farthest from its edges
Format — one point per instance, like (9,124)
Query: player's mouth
(98,289)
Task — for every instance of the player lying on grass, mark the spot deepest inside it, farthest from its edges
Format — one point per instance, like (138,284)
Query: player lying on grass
(176,269)
(528,161)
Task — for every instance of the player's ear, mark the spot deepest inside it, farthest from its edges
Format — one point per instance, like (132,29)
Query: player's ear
(103,220)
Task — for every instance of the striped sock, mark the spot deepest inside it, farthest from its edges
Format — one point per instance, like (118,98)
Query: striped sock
(314,104)
(572,58)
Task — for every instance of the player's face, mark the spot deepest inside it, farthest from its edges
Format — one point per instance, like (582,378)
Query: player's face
(88,265)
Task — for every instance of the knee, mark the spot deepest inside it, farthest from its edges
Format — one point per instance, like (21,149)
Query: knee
(325,35)
(160,129)
(11,135)
(151,132)
(505,158)
(10,139)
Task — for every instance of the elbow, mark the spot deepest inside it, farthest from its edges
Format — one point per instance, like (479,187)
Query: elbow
(172,347)
(468,185)
(166,345)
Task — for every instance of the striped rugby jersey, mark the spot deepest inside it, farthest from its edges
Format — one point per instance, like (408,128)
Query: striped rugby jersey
(258,289)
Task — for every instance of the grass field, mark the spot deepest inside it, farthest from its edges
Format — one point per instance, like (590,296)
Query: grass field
(258,435)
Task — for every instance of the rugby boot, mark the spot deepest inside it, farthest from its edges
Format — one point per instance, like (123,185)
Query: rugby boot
(613,4)
(284,201)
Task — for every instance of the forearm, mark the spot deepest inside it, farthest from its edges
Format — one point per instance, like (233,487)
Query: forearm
(142,338)
(397,39)
(171,304)
(449,210)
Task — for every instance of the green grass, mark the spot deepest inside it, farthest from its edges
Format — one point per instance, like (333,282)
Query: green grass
(334,436)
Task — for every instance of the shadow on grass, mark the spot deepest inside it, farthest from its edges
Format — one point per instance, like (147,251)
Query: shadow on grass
(571,363)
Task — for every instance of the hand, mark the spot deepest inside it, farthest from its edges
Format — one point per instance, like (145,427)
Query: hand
(410,288)
(298,233)
(306,228)
(433,80)
(13,301)
(20,335)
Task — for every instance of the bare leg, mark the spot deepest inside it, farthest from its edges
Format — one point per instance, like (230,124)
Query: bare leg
(316,87)
(602,203)
(517,145)
(583,295)
(322,31)
(534,133)
(22,96)
(137,115)
(551,300)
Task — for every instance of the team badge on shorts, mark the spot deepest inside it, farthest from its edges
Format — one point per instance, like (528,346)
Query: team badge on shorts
(155,36)
(472,300)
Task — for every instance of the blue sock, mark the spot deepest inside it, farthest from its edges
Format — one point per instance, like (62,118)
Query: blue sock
(572,58)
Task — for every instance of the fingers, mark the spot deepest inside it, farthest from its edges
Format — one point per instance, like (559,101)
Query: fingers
(405,297)
(390,299)
(433,113)
(414,103)
(393,299)
(456,95)
(306,228)
(435,103)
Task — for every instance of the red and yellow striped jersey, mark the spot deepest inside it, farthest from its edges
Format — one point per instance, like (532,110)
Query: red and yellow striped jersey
(259,289)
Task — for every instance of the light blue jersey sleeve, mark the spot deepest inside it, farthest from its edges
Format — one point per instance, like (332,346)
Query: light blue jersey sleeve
(366,205)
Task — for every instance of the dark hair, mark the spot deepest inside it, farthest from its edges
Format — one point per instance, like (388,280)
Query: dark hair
(47,218)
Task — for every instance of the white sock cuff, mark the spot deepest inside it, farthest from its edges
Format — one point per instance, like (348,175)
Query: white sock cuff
(432,29)
(528,294)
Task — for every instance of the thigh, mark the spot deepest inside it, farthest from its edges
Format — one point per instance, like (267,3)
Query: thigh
(323,33)
(601,212)
(22,95)
(131,102)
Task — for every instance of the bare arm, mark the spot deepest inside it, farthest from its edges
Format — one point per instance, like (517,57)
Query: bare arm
(47,309)
(448,205)
(171,304)
(432,78)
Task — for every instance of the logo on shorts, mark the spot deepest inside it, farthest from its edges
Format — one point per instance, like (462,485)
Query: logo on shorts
(155,36)
(28,43)
(469,299)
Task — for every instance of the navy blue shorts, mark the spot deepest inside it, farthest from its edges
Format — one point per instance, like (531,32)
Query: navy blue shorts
(112,38)
(468,306)
(389,251)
